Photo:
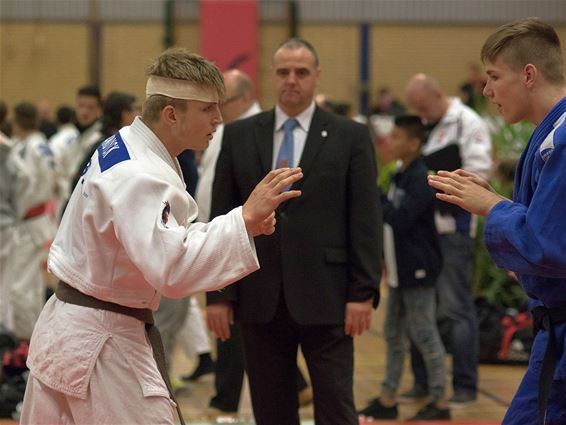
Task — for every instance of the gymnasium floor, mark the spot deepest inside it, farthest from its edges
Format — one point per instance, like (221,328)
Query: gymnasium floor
(497,385)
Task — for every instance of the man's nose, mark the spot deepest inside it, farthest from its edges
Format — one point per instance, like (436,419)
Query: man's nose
(218,116)
(291,77)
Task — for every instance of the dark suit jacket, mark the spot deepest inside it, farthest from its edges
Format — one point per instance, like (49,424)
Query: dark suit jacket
(411,216)
(327,245)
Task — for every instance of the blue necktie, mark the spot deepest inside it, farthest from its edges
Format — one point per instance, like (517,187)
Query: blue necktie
(285,156)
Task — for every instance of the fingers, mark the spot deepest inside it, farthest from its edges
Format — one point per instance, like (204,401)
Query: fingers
(218,319)
(450,178)
(285,196)
(286,178)
(450,198)
(445,184)
(274,177)
(357,323)
(268,225)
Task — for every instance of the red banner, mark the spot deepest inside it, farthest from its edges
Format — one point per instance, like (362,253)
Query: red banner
(228,33)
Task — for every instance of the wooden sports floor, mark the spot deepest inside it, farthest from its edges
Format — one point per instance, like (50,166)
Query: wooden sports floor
(497,385)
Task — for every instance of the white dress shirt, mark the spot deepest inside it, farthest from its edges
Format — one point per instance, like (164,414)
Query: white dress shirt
(300,133)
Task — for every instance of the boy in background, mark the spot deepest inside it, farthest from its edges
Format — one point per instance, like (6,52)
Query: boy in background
(413,260)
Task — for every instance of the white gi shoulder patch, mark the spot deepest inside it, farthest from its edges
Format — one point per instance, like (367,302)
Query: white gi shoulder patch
(547,146)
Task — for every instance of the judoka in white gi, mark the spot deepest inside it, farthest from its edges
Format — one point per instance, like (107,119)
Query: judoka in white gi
(32,167)
(72,142)
(7,222)
(126,237)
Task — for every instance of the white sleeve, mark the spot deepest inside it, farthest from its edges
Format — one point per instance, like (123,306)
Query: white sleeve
(475,145)
(151,221)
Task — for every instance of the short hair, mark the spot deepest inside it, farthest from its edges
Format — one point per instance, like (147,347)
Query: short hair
(412,125)
(65,114)
(25,115)
(244,84)
(3,111)
(300,43)
(90,90)
(114,104)
(181,64)
(525,41)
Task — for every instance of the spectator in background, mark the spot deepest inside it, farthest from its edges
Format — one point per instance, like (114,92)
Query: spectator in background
(45,116)
(471,91)
(386,104)
(66,134)
(64,116)
(413,261)
(7,223)
(118,111)
(5,126)
(70,152)
(459,138)
(34,183)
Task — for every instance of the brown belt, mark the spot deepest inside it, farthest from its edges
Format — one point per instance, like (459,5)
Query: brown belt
(70,295)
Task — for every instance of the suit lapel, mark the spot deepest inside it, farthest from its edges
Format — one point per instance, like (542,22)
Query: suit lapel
(264,139)
(318,133)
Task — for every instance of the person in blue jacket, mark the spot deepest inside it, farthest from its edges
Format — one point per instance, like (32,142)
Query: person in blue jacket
(527,235)
(413,259)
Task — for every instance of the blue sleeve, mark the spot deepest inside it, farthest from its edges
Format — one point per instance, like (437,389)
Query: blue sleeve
(532,240)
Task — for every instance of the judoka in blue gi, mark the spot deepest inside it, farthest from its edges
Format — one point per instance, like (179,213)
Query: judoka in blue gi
(527,235)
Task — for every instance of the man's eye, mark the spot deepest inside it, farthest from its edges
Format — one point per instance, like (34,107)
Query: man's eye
(282,72)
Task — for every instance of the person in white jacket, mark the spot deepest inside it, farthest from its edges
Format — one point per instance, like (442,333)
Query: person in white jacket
(33,169)
(8,220)
(126,238)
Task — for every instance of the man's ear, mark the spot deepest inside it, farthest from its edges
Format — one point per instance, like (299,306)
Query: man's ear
(168,115)
(531,75)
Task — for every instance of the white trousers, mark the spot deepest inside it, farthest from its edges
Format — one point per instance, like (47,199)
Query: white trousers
(6,277)
(193,336)
(114,397)
(27,286)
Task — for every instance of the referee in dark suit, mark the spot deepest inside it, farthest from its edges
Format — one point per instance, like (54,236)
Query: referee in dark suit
(320,271)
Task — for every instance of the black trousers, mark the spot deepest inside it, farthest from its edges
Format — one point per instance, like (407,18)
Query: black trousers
(270,352)
(229,373)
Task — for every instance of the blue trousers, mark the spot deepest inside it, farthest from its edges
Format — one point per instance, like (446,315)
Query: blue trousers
(524,407)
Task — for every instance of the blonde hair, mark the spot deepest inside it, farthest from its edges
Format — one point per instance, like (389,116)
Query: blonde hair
(525,41)
(181,64)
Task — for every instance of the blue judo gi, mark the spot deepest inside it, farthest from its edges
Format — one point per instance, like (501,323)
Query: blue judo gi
(528,237)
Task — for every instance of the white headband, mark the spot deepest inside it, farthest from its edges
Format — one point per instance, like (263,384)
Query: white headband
(179,89)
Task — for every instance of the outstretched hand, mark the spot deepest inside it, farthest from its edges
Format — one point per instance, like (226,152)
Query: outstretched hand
(259,208)
(466,190)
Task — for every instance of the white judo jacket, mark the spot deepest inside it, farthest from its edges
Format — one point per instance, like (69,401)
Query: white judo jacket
(126,237)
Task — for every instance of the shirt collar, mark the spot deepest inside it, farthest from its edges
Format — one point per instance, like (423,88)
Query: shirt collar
(304,118)
(252,110)
(454,111)
(150,139)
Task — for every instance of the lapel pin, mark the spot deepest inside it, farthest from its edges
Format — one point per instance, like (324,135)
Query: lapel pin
(323,133)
